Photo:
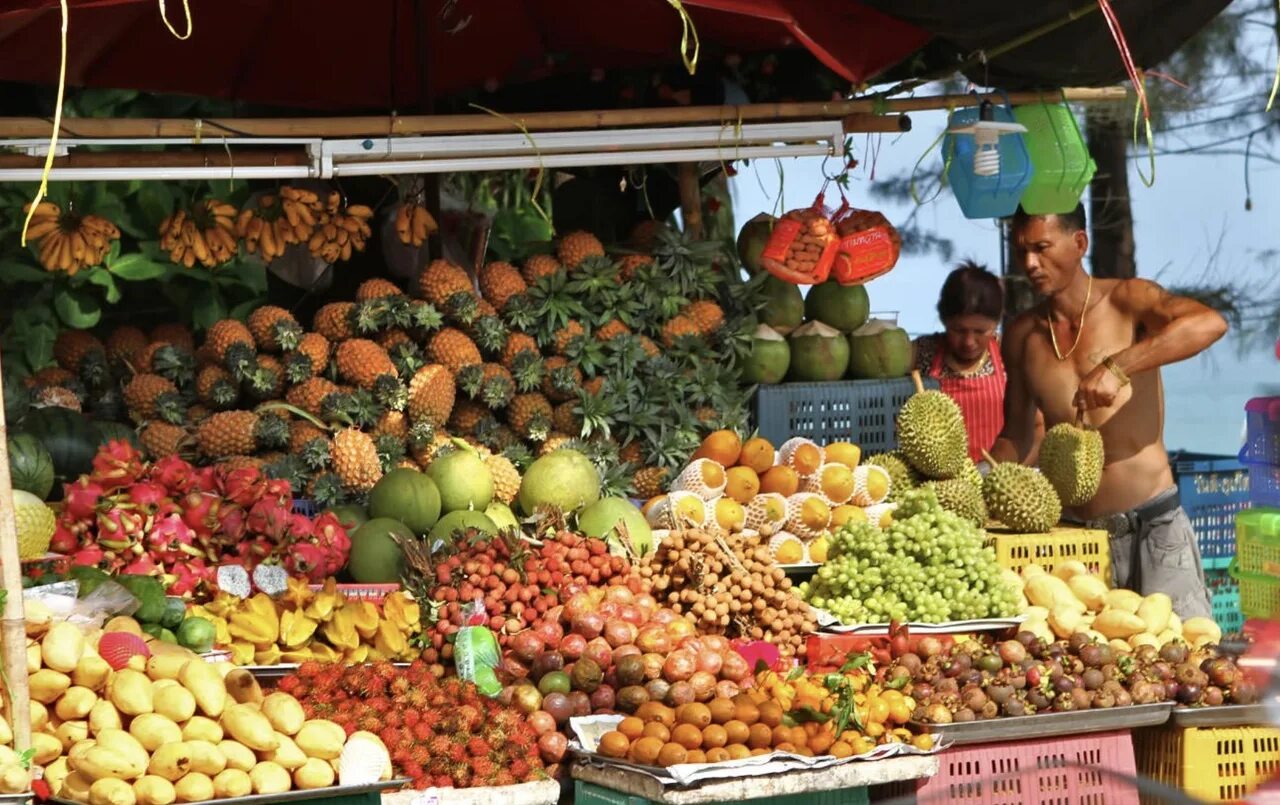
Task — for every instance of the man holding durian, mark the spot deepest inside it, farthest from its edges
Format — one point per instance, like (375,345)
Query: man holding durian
(1089,356)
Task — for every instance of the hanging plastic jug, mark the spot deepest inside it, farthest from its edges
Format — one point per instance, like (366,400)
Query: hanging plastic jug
(1059,156)
(987,162)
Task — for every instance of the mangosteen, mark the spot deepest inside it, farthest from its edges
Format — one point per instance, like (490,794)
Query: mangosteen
(1037,699)
(630,670)
(1243,691)
(1222,672)
(1189,693)
(1038,648)
(1063,702)
(1111,671)
(1146,654)
(1213,696)
(1188,674)
(1123,698)
(1064,684)
(1162,669)
(989,710)
(1025,638)
(1028,664)
(1018,682)
(1000,693)
(947,685)
(1145,692)
(1092,679)
(921,691)
(1081,698)
(1104,700)
(1170,688)
(991,663)
(911,662)
(1015,707)
(970,677)
(957,665)
(1174,652)
(919,713)
(964,714)
(937,713)
(1077,641)
(973,698)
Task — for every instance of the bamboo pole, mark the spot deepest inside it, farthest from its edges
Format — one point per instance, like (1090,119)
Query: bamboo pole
(690,199)
(243,158)
(396,125)
(13,626)
(865,123)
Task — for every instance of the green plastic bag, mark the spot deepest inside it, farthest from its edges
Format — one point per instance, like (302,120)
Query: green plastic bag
(476,652)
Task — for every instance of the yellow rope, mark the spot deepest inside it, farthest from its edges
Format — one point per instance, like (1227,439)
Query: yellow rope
(537,182)
(1275,83)
(57,125)
(186,10)
(1151,144)
(690,61)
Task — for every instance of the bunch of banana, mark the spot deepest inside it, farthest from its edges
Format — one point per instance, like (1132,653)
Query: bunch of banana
(205,234)
(305,624)
(279,222)
(69,242)
(339,230)
(413,223)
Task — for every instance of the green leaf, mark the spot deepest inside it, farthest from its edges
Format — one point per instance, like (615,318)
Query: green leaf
(242,310)
(155,201)
(855,662)
(17,271)
(37,346)
(77,309)
(137,267)
(208,309)
(102,277)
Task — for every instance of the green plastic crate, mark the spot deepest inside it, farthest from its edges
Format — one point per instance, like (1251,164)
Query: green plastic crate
(585,793)
(1258,542)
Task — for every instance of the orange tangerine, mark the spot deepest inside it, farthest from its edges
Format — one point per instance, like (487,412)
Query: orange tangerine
(712,474)
(695,713)
(656,729)
(747,712)
(721,710)
(783,480)
(695,756)
(672,755)
(737,732)
(835,481)
(738,751)
(656,711)
(717,755)
(759,736)
(730,515)
(843,453)
(802,455)
(650,503)
(631,727)
(841,749)
(687,735)
(741,484)
(758,454)
(614,744)
(645,751)
(770,714)
(723,446)
(847,514)
(714,735)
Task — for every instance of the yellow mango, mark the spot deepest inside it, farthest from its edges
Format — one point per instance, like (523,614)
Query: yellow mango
(205,683)
(39,715)
(111,791)
(270,778)
(1155,610)
(77,751)
(46,685)
(1175,624)
(55,774)
(1052,593)
(284,712)
(75,787)
(130,692)
(1064,621)
(91,672)
(104,716)
(171,761)
(315,773)
(238,755)
(249,727)
(1089,589)
(232,783)
(287,754)
(1118,624)
(62,647)
(242,686)
(75,704)
(199,728)
(151,789)
(47,748)
(1145,639)
(165,666)
(33,658)
(321,738)
(1119,646)
(1069,569)
(100,762)
(70,733)
(154,730)
(1124,600)
(1032,570)
(206,758)
(127,745)
(194,787)
(174,702)
(1201,631)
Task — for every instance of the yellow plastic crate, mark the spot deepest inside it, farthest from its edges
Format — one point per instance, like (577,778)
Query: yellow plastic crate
(1219,764)
(1016,551)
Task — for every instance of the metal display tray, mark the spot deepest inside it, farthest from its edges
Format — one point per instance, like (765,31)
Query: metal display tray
(16,799)
(298,794)
(1018,728)
(284,669)
(1226,715)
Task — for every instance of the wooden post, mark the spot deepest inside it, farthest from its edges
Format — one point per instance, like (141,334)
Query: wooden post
(13,626)
(690,199)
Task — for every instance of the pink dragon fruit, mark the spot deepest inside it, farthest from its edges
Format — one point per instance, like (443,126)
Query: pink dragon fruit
(80,499)
(174,473)
(189,578)
(142,566)
(117,464)
(234,580)
(205,479)
(119,529)
(200,513)
(279,489)
(333,540)
(269,518)
(301,528)
(88,556)
(146,495)
(309,560)
(64,540)
(231,525)
(270,579)
(243,486)
(171,539)
(251,552)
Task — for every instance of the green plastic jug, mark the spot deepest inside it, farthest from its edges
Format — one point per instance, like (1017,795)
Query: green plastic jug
(1061,165)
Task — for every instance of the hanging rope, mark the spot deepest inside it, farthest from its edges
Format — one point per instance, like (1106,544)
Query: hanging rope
(1275,82)
(690,32)
(542,170)
(186,11)
(1142,107)
(57,125)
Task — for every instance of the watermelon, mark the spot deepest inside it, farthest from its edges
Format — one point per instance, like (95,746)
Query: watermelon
(17,399)
(68,436)
(111,431)
(30,465)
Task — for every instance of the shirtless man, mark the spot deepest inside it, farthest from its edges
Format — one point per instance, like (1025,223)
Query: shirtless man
(1097,346)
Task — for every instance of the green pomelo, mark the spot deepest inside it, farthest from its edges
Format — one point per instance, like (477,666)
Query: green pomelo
(604,518)
(351,516)
(464,482)
(844,307)
(752,239)
(461,520)
(818,353)
(564,479)
(406,495)
(879,349)
(502,516)
(376,557)
(784,305)
(769,359)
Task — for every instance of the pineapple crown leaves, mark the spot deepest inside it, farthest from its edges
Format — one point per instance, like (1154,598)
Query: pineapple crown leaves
(462,307)
(289,468)
(554,305)
(520,312)
(171,408)
(370,316)
(271,432)
(356,408)
(326,490)
(587,354)
(670,447)
(241,361)
(390,450)
(262,383)
(170,362)
(424,316)
(615,480)
(407,357)
(298,367)
(519,455)
(497,392)
(490,334)
(287,333)
(315,454)
(563,379)
(598,413)
(420,435)
(528,369)
(390,393)
(625,354)
(538,427)
(470,379)
(592,277)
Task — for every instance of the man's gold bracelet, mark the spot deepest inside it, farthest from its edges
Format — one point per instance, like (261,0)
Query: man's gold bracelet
(1115,369)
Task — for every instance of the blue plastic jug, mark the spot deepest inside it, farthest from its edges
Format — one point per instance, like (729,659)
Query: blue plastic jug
(986,196)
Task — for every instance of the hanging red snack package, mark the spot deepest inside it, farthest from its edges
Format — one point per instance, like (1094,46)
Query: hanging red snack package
(802,245)
(868,246)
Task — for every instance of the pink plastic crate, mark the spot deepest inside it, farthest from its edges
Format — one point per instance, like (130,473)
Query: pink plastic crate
(1094,769)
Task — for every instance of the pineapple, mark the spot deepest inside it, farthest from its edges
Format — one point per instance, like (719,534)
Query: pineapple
(650,349)
(177,334)
(644,235)
(149,396)
(631,453)
(706,315)
(125,345)
(520,357)
(301,432)
(499,282)
(50,376)
(367,366)
(490,383)
(677,328)
(575,247)
(391,423)
(309,359)
(80,352)
(431,395)
(267,381)
(233,463)
(506,478)
(240,433)
(233,344)
(355,460)
(530,415)
(565,418)
(56,397)
(612,329)
(565,336)
(630,264)
(377,288)
(649,482)
(563,379)
(160,439)
(310,395)
(539,266)
(449,288)
(453,349)
(390,339)
(335,321)
(274,329)
(594,386)
(554,441)
(467,416)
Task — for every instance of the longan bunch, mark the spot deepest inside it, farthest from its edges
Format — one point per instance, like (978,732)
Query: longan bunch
(728,584)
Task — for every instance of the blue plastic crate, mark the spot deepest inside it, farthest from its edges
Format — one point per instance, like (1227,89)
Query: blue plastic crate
(305,507)
(1224,595)
(1264,484)
(1213,490)
(1262,424)
(585,793)
(858,411)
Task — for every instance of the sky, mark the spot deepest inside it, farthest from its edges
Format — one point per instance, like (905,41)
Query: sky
(1195,208)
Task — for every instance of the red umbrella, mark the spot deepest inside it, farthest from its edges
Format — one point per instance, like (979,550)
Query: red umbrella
(337,55)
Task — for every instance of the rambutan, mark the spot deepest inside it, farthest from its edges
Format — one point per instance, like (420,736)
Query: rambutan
(504,777)
(520,768)
(412,718)
(471,717)
(478,747)
(443,781)
(390,736)
(482,767)
(380,704)
(439,746)
(457,752)
(420,731)
(411,770)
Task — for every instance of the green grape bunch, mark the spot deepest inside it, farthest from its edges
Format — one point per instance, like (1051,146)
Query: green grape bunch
(928,566)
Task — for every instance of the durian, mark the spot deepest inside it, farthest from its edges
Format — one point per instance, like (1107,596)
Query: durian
(1071,458)
(931,433)
(963,497)
(1021,497)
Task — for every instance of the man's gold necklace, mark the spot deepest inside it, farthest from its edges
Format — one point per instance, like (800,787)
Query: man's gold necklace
(1053,336)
